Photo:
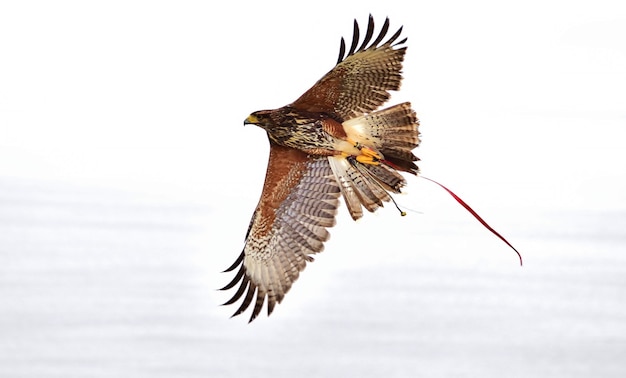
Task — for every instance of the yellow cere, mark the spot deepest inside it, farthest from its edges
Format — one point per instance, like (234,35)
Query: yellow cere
(251,119)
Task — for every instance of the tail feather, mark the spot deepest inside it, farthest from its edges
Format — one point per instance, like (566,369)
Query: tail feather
(358,187)
(369,186)
(391,132)
(341,170)
(386,176)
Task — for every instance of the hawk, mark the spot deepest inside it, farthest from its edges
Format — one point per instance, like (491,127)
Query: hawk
(330,142)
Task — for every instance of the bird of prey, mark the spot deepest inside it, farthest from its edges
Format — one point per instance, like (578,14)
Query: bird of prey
(330,142)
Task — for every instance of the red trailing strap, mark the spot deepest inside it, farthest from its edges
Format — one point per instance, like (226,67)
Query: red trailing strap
(481,220)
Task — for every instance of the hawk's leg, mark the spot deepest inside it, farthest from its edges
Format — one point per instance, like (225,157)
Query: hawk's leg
(368,155)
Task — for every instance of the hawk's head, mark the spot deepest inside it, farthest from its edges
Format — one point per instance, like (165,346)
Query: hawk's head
(261,118)
(284,126)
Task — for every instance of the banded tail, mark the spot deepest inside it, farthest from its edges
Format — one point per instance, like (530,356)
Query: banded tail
(393,134)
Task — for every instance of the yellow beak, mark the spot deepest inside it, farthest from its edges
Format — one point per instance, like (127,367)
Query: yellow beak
(252,119)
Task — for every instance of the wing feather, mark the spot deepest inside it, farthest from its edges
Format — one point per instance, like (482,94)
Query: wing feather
(361,81)
(342,50)
(240,290)
(355,38)
(368,34)
(235,264)
(248,298)
(237,277)
(381,35)
(299,201)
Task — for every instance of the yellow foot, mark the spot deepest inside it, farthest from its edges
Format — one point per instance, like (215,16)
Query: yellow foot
(367,159)
(365,150)
(371,153)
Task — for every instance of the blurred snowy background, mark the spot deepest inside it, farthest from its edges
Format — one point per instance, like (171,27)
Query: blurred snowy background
(127,182)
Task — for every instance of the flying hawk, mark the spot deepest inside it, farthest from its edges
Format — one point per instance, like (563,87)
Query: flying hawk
(330,142)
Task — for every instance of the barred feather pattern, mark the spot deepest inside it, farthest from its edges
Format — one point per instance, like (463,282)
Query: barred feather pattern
(280,241)
(359,187)
(361,81)
(392,131)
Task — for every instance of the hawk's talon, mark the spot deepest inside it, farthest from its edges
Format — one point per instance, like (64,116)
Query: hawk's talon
(367,159)
(367,151)
(371,153)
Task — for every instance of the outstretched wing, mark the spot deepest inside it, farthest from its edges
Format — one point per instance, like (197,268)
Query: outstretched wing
(299,201)
(361,81)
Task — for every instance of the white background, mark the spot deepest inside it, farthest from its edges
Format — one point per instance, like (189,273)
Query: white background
(127,182)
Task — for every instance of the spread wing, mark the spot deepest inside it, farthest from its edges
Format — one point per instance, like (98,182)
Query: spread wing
(361,81)
(299,201)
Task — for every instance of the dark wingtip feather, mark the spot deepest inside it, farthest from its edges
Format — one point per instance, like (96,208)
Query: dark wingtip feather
(381,35)
(368,34)
(342,50)
(401,42)
(235,264)
(236,279)
(271,303)
(368,37)
(355,38)
(240,291)
(260,299)
(247,299)
(394,37)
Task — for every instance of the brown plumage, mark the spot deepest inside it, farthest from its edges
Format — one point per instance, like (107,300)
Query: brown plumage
(327,143)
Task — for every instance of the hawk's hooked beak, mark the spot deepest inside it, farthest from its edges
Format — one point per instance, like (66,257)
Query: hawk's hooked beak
(251,120)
